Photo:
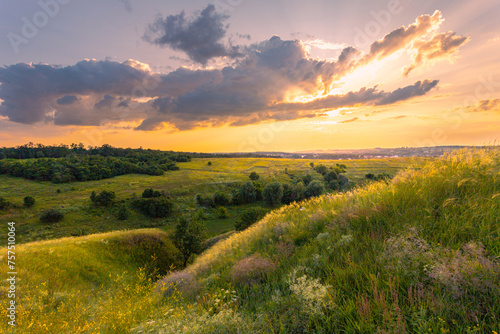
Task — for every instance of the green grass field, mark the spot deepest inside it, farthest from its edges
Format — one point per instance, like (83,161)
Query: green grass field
(419,254)
(194,177)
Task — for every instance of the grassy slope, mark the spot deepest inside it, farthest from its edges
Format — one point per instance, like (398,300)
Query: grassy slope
(194,177)
(419,254)
(99,283)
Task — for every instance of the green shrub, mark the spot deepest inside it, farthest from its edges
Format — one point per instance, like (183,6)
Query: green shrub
(222,212)
(249,217)
(155,207)
(150,193)
(51,216)
(221,199)
(315,188)
(254,176)
(4,204)
(273,193)
(123,212)
(205,201)
(249,192)
(29,201)
(105,198)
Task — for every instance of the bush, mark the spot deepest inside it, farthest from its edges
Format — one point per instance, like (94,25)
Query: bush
(150,193)
(123,212)
(330,176)
(4,204)
(29,201)
(273,193)
(105,198)
(293,193)
(322,169)
(307,179)
(315,188)
(188,237)
(51,216)
(254,176)
(221,199)
(249,217)
(248,192)
(209,163)
(222,212)
(205,201)
(156,207)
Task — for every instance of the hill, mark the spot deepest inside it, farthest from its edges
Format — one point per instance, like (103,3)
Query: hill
(419,253)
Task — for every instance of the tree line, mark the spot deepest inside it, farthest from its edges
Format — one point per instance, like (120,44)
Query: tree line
(60,164)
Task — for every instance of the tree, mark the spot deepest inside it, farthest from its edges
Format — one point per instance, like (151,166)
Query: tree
(315,188)
(51,216)
(273,193)
(330,176)
(209,163)
(29,201)
(322,169)
(307,179)
(221,199)
(105,198)
(254,176)
(249,217)
(155,207)
(188,237)
(249,192)
(123,212)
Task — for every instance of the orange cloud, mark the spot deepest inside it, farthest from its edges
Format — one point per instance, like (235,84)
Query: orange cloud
(442,45)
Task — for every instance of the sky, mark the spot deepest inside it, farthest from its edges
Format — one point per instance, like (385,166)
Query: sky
(245,76)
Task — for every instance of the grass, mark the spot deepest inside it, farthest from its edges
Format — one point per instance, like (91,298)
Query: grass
(193,178)
(100,283)
(416,255)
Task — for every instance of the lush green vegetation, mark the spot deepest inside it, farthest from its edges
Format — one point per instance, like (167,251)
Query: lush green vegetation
(418,253)
(62,164)
(219,182)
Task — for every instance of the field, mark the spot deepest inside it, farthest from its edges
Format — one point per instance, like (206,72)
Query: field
(417,254)
(194,177)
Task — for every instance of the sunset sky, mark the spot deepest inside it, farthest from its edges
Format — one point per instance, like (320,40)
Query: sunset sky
(240,75)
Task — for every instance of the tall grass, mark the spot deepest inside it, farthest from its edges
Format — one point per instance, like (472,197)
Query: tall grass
(417,254)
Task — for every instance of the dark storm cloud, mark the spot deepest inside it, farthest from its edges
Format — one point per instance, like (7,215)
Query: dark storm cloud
(201,37)
(67,99)
(365,96)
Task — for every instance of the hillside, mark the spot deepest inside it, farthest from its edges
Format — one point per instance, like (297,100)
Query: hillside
(417,254)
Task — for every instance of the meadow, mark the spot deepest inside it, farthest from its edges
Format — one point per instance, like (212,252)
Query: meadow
(194,177)
(416,254)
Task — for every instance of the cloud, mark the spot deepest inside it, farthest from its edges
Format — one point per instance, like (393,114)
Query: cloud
(67,100)
(365,97)
(418,89)
(127,5)
(491,105)
(403,36)
(255,88)
(199,37)
(442,45)
(354,119)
